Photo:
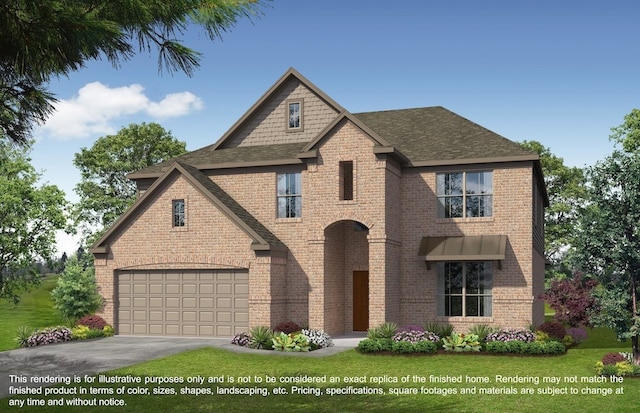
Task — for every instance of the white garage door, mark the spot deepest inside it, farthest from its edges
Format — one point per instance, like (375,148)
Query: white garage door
(208,303)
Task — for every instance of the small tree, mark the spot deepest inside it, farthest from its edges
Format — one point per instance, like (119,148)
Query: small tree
(572,300)
(76,293)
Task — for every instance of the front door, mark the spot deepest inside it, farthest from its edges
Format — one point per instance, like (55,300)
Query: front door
(360,300)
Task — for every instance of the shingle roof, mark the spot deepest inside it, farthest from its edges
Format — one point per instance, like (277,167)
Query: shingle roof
(425,135)
(233,206)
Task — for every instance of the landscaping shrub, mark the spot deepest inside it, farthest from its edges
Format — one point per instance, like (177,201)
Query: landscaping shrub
(287,327)
(368,345)
(410,327)
(76,293)
(48,336)
(482,331)
(385,330)
(402,347)
(522,347)
(441,330)
(241,339)
(578,334)
(23,335)
(92,321)
(510,335)
(416,336)
(613,358)
(317,338)
(425,346)
(108,331)
(79,332)
(461,342)
(290,342)
(621,368)
(261,338)
(555,330)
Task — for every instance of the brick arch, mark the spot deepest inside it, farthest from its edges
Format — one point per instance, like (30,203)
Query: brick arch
(192,261)
(340,217)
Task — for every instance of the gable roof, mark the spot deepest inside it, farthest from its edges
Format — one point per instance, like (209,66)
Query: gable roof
(291,73)
(263,239)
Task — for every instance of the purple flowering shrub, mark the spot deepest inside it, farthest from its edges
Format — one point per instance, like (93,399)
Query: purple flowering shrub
(578,334)
(241,339)
(414,336)
(48,336)
(511,335)
(410,327)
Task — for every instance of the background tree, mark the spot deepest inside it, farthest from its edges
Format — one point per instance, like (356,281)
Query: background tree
(567,194)
(47,38)
(104,190)
(31,215)
(76,293)
(608,240)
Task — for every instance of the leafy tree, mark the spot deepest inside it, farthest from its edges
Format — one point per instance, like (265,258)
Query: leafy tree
(567,193)
(104,190)
(628,133)
(572,300)
(76,293)
(47,38)
(31,215)
(608,242)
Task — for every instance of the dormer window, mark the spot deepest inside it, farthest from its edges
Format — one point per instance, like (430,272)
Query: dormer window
(294,115)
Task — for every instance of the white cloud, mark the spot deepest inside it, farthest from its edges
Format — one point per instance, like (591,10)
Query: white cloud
(96,108)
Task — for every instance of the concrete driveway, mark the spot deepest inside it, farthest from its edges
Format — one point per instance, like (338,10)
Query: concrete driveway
(96,356)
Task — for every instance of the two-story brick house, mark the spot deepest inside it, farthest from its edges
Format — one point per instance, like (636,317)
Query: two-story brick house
(304,211)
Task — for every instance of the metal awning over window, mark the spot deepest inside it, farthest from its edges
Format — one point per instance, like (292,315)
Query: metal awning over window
(465,248)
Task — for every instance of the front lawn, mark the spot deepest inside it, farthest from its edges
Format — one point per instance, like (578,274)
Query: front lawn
(35,310)
(375,372)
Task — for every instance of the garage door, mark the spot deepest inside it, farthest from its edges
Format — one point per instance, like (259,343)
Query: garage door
(210,303)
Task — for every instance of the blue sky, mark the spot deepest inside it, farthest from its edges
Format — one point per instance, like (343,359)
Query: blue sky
(562,73)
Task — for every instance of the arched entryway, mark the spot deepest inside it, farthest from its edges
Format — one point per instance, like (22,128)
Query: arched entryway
(346,276)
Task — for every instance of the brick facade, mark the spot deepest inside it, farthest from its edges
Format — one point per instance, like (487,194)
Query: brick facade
(379,230)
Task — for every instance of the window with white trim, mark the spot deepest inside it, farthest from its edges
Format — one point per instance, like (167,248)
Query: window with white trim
(465,194)
(465,289)
(289,195)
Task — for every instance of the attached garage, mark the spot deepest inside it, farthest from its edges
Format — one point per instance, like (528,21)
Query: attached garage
(193,303)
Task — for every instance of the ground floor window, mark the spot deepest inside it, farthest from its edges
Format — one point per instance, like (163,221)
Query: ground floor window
(464,289)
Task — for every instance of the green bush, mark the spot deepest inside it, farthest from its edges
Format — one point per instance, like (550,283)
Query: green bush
(402,347)
(80,332)
(76,293)
(521,347)
(441,330)
(385,330)
(480,330)
(461,342)
(108,331)
(290,342)
(425,346)
(261,338)
(23,335)
(376,345)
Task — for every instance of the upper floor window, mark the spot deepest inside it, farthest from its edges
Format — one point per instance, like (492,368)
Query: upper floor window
(294,119)
(178,212)
(465,194)
(465,289)
(289,195)
(346,180)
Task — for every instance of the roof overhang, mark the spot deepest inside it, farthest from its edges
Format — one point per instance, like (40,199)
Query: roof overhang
(464,248)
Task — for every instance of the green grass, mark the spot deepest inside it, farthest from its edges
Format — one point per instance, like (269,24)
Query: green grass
(212,362)
(34,310)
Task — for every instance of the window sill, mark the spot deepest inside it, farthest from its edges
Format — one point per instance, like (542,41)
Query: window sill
(180,229)
(347,202)
(465,319)
(288,220)
(461,220)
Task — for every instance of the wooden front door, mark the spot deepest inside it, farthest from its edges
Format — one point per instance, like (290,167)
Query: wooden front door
(360,300)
